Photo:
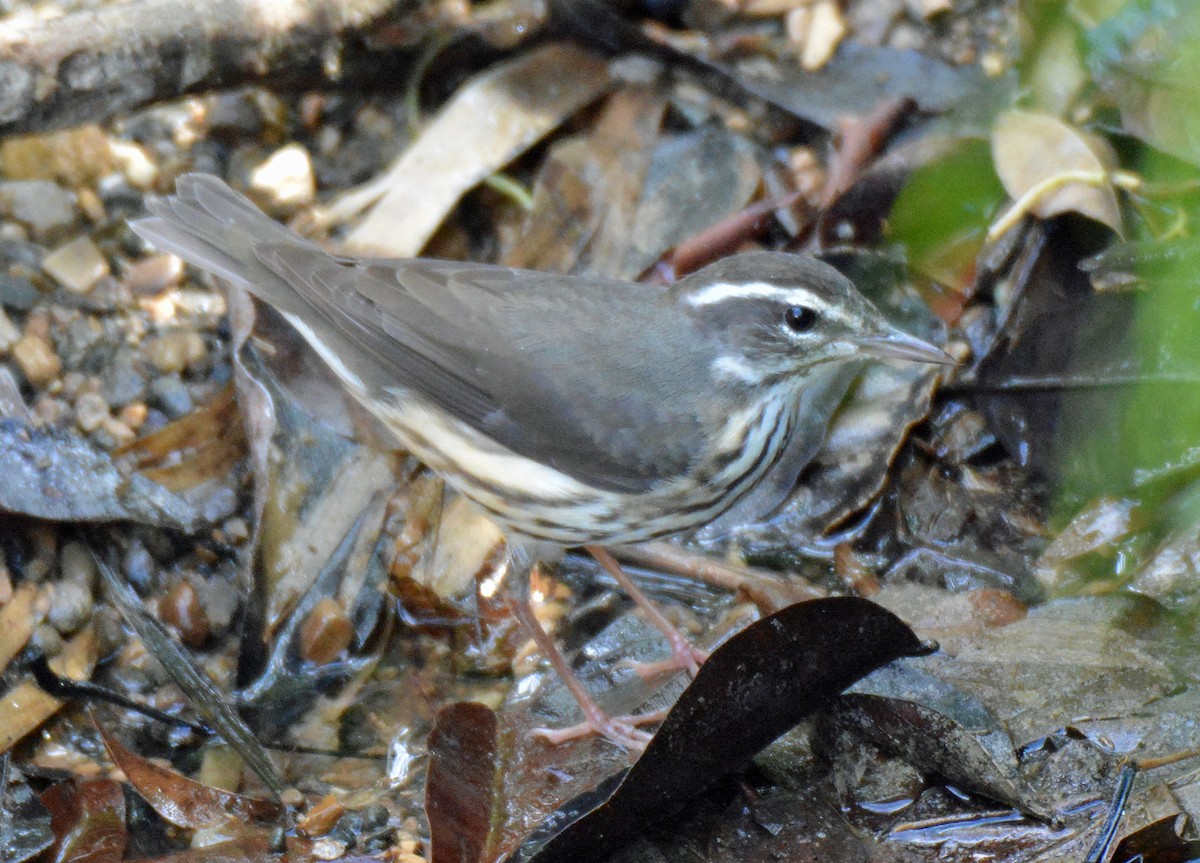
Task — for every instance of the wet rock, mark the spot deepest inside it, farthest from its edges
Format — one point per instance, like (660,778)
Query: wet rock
(114,433)
(816,30)
(46,639)
(77,265)
(45,208)
(135,164)
(133,415)
(119,196)
(77,156)
(139,567)
(325,633)
(247,114)
(221,600)
(219,505)
(79,337)
(171,395)
(17,293)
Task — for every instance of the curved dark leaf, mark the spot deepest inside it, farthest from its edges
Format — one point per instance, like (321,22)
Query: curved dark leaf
(752,689)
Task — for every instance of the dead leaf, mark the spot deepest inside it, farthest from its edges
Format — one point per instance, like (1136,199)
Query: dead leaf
(1040,155)
(88,820)
(182,801)
(198,447)
(490,121)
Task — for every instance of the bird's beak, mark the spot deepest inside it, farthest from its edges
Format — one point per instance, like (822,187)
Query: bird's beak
(902,346)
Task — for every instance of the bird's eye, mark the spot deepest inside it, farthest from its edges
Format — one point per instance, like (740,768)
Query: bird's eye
(800,319)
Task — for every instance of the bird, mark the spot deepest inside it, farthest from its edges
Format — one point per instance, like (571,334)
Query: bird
(575,411)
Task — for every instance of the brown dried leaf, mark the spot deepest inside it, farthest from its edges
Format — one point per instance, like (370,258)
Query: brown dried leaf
(200,446)
(182,801)
(1030,149)
(88,820)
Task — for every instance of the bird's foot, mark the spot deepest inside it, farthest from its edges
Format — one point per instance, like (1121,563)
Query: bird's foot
(621,731)
(685,656)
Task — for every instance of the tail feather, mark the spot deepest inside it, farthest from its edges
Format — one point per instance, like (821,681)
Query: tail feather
(213,227)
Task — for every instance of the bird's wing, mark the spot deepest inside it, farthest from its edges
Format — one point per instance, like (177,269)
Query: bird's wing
(546,371)
(551,373)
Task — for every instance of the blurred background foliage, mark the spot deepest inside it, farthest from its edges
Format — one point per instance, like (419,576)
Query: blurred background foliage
(1116,362)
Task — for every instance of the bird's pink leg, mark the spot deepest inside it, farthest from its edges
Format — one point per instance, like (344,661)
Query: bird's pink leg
(620,730)
(684,654)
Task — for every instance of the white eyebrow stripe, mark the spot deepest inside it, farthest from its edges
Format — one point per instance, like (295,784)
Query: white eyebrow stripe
(721,291)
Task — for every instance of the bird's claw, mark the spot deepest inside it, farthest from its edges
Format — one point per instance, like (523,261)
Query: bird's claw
(621,731)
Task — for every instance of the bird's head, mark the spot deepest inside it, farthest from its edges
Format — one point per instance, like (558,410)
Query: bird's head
(776,316)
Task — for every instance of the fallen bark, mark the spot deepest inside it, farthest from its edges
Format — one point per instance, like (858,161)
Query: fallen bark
(90,65)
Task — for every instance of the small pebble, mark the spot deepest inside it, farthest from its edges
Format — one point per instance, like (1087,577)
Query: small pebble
(929,8)
(91,205)
(37,360)
(133,415)
(48,410)
(285,180)
(170,394)
(220,504)
(123,381)
(72,383)
(221,600)
(45,207)
(77,265)
(325,632)
(117,431)
(38,324)
(236,530)
(175,351)
(70,606)
(180,609)
(22,254)
(75,563)
(46,639)
(77,156)
(154,274)
(133,161)
(321,818)
(79,337)
(816,30)
(139,567)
